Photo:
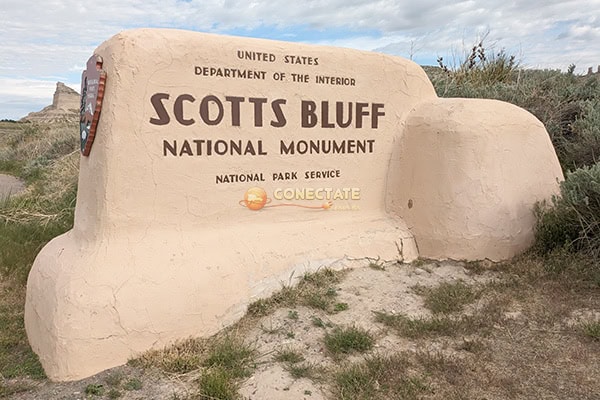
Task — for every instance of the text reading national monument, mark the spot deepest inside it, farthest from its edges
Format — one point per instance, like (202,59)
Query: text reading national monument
(214,167)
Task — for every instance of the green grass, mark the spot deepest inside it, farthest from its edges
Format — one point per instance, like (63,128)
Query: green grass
(133,384)
(379,377)
(11,388)
(114,379)
(449,297)
(418,327)
(295,365)
(94,389)
(348,340)
(315,290)
(223,360)
(217,383)
(231,354)
(306,370)
(16,357)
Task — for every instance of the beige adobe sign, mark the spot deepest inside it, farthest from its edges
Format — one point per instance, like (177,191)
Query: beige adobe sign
(223,165)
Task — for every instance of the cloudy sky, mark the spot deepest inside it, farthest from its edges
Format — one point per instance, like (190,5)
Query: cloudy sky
(43,42)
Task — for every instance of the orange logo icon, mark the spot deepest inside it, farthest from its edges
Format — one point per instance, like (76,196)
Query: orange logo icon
(255,198)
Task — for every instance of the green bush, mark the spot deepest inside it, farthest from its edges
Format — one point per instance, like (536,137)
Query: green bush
(573,221)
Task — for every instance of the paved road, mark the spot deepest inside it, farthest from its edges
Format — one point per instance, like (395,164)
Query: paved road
(10,185)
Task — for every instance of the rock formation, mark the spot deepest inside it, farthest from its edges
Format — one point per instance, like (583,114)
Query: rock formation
(64,107)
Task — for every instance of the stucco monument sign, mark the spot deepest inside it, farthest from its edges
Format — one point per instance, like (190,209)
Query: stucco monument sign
(221,165)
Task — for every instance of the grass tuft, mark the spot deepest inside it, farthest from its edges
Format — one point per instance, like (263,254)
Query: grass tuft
(217,383)
(591,330)
(315,290)
(94,389)
(231,354)
(289,356)
(305,370)
(449,297)
(418,327)
(180,357)
(133,384)
(379,377)
(348,340)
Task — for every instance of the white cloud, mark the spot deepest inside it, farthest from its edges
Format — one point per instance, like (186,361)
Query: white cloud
(55,37)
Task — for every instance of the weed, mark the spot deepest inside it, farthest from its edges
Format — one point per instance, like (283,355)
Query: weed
(289,356)
(418,327)
(441,365)
(217,383)
(377,266)
(591,330)
(449,297)
(293,314)
(313,290)
(355,382)
(94,389)
(16,357)
(7,390)
(318,322)
(114,379)
(340,307)
(259,307)
(379,377)
(271,330)
(482,66)
(305,370)
(133,384)
(347,340)
(474,346)
(317,300)
(419,262)
(181,357)
(232,355)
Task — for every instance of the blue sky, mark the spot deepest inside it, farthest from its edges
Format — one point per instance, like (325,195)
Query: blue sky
(43,42)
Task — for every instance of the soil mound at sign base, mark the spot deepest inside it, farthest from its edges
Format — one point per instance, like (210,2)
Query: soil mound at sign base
(9,185)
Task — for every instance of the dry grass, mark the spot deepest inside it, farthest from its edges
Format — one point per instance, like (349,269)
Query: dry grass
(316,290)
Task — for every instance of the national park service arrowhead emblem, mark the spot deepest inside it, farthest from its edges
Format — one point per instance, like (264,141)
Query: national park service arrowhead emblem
(93,80)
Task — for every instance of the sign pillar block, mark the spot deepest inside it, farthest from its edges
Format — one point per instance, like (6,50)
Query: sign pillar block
(219,166)
(213,168)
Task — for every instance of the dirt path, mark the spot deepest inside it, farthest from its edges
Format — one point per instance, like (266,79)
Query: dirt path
(10,185)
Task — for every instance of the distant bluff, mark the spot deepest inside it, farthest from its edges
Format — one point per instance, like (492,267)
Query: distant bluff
(64,107)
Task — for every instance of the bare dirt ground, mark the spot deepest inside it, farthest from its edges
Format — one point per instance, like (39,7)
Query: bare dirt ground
(525,343)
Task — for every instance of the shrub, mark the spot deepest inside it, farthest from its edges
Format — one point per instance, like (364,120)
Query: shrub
(482,66)
(573,221)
